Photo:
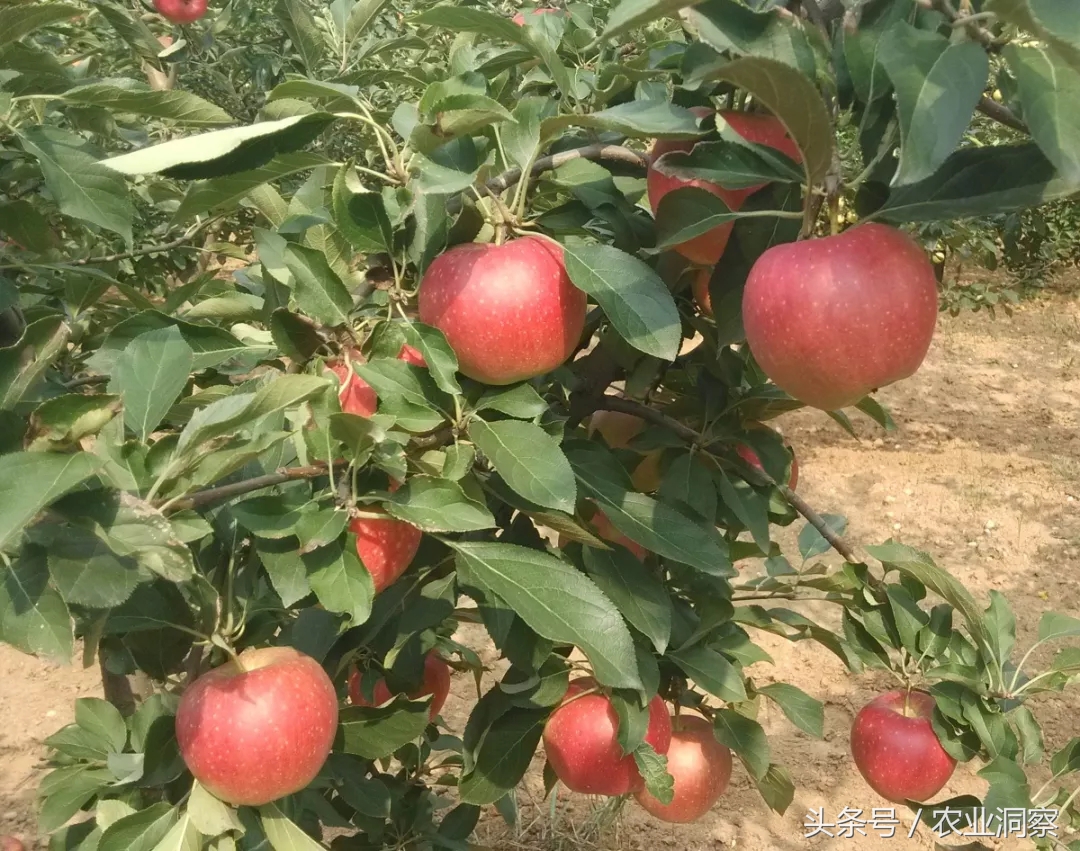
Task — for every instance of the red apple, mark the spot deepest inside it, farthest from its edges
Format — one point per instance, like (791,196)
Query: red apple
(707,248)
(582,745)
(519,18)
(10,843)
(831,319)
(181,11)
(436,682)
(751,457)
(260,728)
(896,749)
(356,395)
(411,355)
(602,526)
(385,545)
(700,289)
(700,767)
(509,311)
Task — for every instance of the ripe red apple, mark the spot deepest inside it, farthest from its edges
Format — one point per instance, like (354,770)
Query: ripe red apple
(700,767)
(509,311)
(896,749)
(181,11)
(751,457)
(411,355)
(582,746)
(436,682)
(519,18)
(707,248)
(10,843)
(831,319)
(385,545)
(260,728)
(356,395)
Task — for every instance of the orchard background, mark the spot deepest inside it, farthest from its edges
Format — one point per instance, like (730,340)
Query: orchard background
(208,225)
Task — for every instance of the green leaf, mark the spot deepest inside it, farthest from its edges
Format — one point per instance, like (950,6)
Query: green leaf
(776,788)
(1048,89)
(398,382)
(979,182)
(29,481)
(376,732)
(812,542)
(637,591)
(730,27)
(690,211)
(748,506)
(518,400)
(283,834)
(23,364)
(318,527)
(558,603)
(182,107)
(212,345)
(1031,739)
(222,152)
(802,710)
(363,13)
(140,831)
(792,98)
(17,21)
(209,815)
(318,290)
(653,769)
(711,671)
(340,581)
(1056,625)
(87,573)
(1067,759)
(632,296)
(745,737)
(1000,627)
(21,222)
(728,164)
(937,87)
(224,193)
(65,791)
(360,215)
(921,567)
(300,26)
(686,480)
(638,119)
(1052,20)
(440,358)
(150,374)
(182,836)
(521,140)
(503,757)
(529,460)
(81,185)
(632,14)
(287,571)
(438,505)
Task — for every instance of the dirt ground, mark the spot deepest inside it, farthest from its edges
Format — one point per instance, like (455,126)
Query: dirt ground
(983,472)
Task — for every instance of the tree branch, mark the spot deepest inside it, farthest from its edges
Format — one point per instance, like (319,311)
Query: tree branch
(614,153)
(1001,114)
(151,249)
(202,498)
(628,406)
(969,23)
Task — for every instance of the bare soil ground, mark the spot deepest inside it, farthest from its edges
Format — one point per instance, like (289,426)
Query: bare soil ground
(983,472)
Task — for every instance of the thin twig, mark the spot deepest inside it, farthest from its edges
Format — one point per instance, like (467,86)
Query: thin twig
(152,249)
(202,498)
(969,23)
(628,406)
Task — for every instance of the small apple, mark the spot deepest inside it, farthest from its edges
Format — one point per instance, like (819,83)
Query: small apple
(181,11)
(896,749)
(411,355)
(260,727)
(707,248)
(582,745)
(831,319)
(519,18)
(700,767)
(509,311)
(385,545)
(436,682)
(356,395)
(10,843)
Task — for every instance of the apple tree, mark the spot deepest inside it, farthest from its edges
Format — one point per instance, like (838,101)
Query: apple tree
(330,329)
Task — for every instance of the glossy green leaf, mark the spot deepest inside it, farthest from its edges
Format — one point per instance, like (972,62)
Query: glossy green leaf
(635,589)
(283,834)
(29,481)
(745,737)
(529,460)
(504,756)
(937,87)
(438,505)
(802,710)
(182,107)
(360,214)
(558,602)
(19,20)
(635,299)
(1049,88)
(376,732)
(711,671)
(150,374)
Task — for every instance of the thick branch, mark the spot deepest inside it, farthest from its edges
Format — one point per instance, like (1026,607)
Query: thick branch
(628,406)
(202,498)
(509,178)
(1001,114)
